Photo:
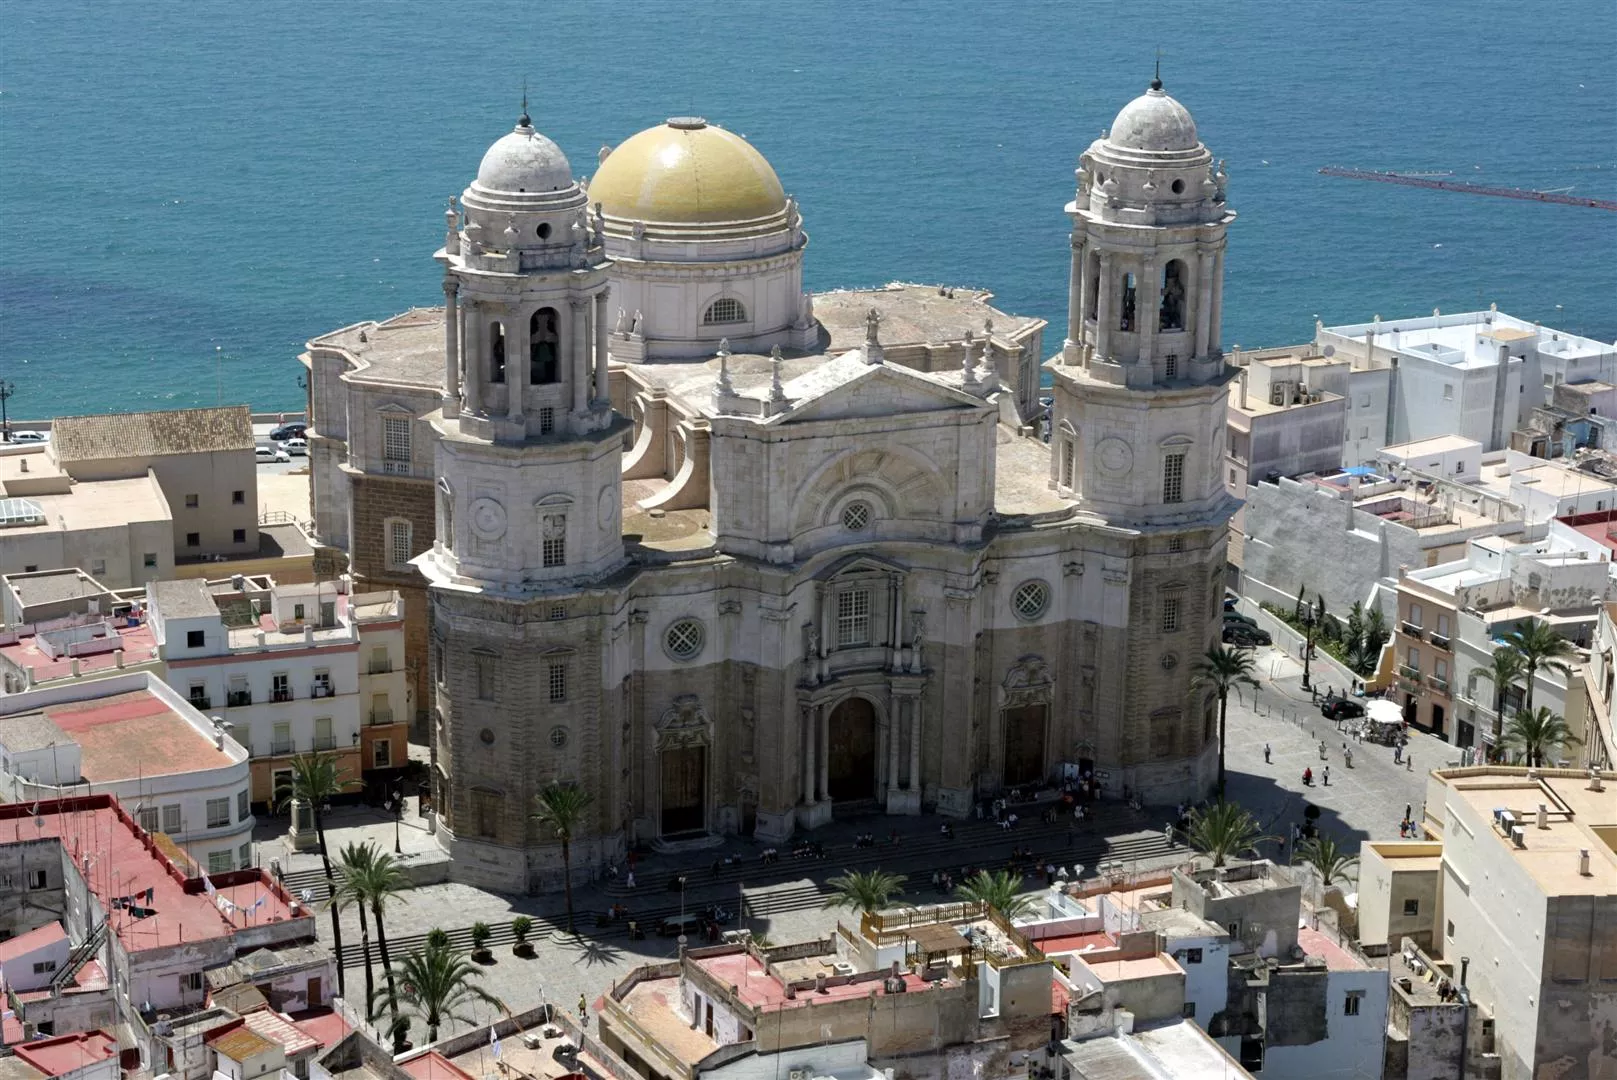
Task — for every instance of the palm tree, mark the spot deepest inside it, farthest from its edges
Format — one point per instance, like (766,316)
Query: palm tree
(315,779)
(1503,671)
(351,864)
(1224,829)
(864,890)
(1001,891)
(1536,734)
(562,807)
(1540,646)
(1326,858)
(377,883)
(436,984)
(1223,668)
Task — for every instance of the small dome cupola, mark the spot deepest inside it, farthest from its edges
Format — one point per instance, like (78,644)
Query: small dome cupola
(1154,122)
(524,161)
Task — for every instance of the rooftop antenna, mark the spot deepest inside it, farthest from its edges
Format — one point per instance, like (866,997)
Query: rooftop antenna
(1156,80)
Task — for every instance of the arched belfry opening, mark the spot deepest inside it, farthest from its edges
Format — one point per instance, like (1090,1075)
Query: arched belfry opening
(1171,312)
(496,352)
(1125,314)
(543,347)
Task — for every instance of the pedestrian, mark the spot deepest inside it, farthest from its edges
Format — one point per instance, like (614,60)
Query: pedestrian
(1409,762)
(628,880)
(1167,833)
(1266,753)
(1325,774)
(1348,755)
(583,1007)
(1409,811)
(1322,749)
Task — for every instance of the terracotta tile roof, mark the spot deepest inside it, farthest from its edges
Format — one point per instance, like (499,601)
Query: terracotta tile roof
(152,434)
(278,1029)
(239,1043)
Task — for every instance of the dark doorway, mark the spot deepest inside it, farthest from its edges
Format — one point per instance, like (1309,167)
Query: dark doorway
(1465,734)
(1024,744)
(851,763)
(1438,716)
(684,790)
(1409,708)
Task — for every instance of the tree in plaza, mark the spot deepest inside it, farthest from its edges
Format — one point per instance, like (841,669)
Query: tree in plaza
(1330,860)
(1224,829)
(437,984)
(375,881)
(1503,671)
(351,863)
(1537,734)
(561,807)
(1541,647)
(1223,668)
(1297,608)
(1001,891)
(315,779)
(863,890)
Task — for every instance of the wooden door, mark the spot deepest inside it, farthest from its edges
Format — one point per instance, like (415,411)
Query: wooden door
(1024,744)
(851,763)
(684,789)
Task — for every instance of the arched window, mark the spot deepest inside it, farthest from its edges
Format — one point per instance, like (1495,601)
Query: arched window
(1171,316)
(1093,291)
(543,347)
(1125,312)
(496,352)
(446,517)
(726,309)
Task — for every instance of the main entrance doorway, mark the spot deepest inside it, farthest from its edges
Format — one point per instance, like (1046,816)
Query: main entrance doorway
(851,763)
(684,789)
(1024,744)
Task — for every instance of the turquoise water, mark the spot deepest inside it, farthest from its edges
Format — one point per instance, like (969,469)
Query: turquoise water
(194,190)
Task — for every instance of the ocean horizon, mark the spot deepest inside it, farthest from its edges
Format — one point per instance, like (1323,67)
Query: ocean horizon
(198,190)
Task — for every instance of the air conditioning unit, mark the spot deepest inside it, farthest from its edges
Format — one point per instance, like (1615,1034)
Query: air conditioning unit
(1517,836)
(532,1041)
(798,1074)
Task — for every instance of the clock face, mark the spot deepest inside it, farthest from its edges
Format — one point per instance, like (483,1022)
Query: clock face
(606,505)
(488,519)
(1114,456)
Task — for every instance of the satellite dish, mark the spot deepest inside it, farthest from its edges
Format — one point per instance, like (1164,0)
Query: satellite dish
(1330,350)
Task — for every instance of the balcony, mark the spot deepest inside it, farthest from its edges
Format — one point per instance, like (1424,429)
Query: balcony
(237,699)
(280,695)
(381,667)
(202,703)
(281,746)
(1411,630)
(325,742)
(321,690)
(380,717)
(1440,685)
(1440,642)
(1410,673)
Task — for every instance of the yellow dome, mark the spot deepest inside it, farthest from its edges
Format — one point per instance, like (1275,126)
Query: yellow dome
(687,172)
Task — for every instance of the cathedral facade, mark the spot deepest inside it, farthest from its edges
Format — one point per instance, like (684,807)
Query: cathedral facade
(733,557)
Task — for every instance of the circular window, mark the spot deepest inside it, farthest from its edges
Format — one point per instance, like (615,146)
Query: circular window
(856,516)
(1030,599)
(487,735)
(1178,187)
(684,639)
(558,737)
(543,230)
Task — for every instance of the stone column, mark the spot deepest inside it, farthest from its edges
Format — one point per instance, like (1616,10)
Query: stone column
(1080,262)
(516,363)
(895,728)
(602,398)
(475,361)
(1204,300)
(1146,299)
(578,356)
(1215,341)
(451,349)
(825,749)
(1075,300)
(915,744)
(1103,308)
(805,717)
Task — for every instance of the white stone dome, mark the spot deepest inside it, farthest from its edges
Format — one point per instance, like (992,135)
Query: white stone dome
(1154,122)
(525,160)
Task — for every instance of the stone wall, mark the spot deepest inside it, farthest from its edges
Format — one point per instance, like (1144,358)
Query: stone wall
(375,500)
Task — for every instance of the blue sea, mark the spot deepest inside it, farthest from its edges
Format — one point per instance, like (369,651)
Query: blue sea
(193,190)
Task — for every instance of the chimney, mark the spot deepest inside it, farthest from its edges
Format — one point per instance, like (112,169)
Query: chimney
(75,667)
(819,982)
(22,464)
(1583,863)
(308,633)
(1543,816)
(118,657)
(1245,373)
(1465,966)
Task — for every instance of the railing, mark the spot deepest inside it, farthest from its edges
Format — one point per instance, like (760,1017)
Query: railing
(321,690)
(395,468)
(325,742)
(1410,673)
(235,699)
(281,695)
(203,703)
(1412,630)
(281,746)
(381,716)
(381,667)
(1440,641)
(1440,685)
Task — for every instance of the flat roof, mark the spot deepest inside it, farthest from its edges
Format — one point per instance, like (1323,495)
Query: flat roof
(38,938)
(1437,444)
(1141,967)
(1263,407)
(1325,947)
(99,504)
(1579,819)
(133,734)
(914,314)
(24,732)
(1558,480)
(407,349)
(186,598)
(138,644)
(756,987)
(53,586)
(65,1053)
(1187,1051)
(654,1003)
(434,1066)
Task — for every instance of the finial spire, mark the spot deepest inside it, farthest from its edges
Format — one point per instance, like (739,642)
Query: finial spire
(1156,80)
(524,121)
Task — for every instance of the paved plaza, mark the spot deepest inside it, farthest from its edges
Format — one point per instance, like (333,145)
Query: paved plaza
(1362,802)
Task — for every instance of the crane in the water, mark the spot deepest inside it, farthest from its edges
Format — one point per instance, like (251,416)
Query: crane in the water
(1426,181)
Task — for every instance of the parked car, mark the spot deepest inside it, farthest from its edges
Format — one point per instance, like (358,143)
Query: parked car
(1340,708)
(269,454)
(295,447)
(30,436)
(1235,618)
(675,925)
(1245,637)
(289,431)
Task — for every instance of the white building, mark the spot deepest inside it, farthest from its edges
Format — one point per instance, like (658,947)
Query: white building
(134,737)
(1451,456)
(1477,374)
(1599,735)
(292,669)
(1288,416)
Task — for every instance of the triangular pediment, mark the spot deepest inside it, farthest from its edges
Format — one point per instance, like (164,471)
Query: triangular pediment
(848,388)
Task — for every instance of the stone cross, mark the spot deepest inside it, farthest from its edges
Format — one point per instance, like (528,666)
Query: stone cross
(968,368)
(873,349)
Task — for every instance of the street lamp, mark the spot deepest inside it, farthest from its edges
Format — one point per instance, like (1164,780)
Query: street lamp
(1309,622)
(398,813)
(7,388)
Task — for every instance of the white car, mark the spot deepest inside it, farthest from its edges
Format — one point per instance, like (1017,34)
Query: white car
(296,447)
(269,454)
(29,436)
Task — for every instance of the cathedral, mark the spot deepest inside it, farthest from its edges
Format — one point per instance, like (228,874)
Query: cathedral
(736,558)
